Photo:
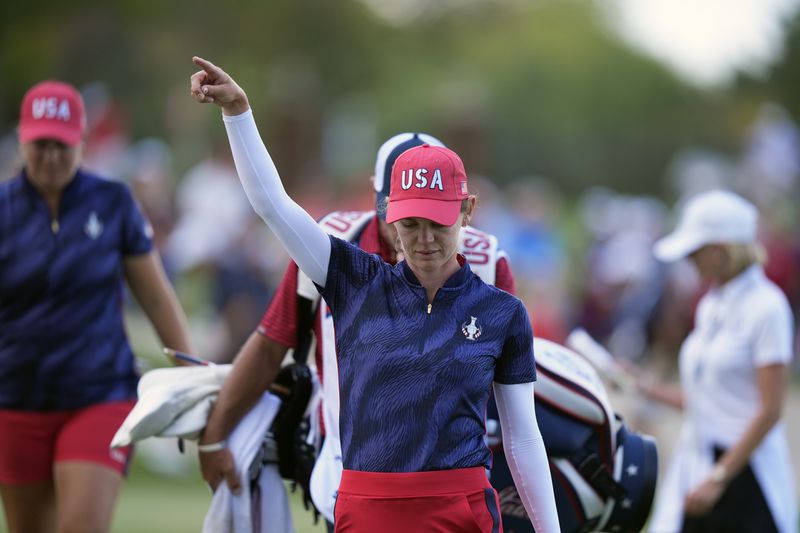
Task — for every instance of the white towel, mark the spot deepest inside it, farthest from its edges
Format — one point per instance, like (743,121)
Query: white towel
(176,402)
(231,513)
(173,402)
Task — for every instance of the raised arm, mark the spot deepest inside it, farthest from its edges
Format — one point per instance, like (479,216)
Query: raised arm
(307,244)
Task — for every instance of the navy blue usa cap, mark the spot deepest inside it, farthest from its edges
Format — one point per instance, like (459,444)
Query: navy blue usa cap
(387,155)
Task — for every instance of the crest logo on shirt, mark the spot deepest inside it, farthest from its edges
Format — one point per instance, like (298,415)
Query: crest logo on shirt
(93,226)
(471,330)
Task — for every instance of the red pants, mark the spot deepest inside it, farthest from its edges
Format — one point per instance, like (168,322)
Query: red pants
(446,501)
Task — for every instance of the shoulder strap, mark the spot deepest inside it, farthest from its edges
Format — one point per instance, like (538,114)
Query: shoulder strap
(346,225)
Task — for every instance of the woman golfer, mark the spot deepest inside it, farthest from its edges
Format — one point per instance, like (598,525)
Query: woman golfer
(419,345)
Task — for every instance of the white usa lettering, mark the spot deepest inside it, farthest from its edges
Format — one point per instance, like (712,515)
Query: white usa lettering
(436,180)
(343,221)
(406,184)
(422,181)
(51,108)
(407,179)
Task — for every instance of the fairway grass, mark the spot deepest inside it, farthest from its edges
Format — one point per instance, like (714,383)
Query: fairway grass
(151,503)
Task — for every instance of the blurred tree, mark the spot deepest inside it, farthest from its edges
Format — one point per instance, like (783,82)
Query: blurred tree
(785,77)
(538,87)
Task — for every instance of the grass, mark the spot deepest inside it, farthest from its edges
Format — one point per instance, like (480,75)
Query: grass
(178,504)
(175,503)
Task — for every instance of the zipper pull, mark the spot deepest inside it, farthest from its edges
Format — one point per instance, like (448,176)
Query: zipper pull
(54,227)
(429,308)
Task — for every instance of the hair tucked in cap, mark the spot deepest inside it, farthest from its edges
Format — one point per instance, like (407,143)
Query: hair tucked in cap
(387,155)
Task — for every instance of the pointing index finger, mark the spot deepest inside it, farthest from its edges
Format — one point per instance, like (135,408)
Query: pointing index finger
(206,65)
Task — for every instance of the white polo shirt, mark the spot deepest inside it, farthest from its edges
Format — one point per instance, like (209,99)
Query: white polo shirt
(741,326)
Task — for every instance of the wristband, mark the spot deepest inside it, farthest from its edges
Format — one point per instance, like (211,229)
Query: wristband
(213,447)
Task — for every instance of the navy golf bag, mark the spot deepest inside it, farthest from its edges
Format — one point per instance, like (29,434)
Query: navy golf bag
(604,475)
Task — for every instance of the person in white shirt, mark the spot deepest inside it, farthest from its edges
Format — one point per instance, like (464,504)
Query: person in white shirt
(731,470)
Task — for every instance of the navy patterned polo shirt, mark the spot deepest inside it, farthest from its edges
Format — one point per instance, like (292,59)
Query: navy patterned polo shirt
(62,339)
(414,382)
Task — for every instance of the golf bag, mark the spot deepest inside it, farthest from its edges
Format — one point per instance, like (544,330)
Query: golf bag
(604,474)
(294,386)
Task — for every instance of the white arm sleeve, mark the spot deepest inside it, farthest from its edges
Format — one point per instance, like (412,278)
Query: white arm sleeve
(307,244)
(526,456)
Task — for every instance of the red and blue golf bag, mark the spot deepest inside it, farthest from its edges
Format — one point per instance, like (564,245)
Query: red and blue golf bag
(604,474)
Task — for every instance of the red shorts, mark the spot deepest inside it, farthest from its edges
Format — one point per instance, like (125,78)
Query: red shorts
(32,442)
(448,501)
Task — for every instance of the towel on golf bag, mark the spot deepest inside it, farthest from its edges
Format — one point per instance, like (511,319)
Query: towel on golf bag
(294,432)
(265,509)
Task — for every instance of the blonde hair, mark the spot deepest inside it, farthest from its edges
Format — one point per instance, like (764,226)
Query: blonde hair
(741,256)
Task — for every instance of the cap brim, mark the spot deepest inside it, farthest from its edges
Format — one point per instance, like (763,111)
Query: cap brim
(65,134)
(677,245)
(444,212)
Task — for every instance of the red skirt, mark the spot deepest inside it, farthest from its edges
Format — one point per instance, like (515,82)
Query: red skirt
(446,501)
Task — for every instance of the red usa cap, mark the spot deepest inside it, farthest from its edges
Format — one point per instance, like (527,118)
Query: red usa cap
(427,182)
(52,110)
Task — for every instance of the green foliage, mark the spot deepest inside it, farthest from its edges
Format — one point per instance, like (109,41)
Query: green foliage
(516,87)
(782,85)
